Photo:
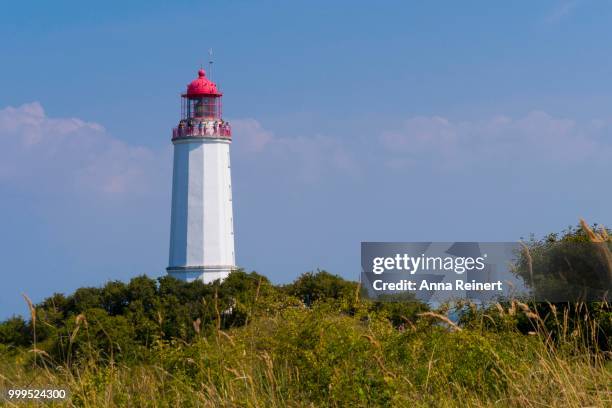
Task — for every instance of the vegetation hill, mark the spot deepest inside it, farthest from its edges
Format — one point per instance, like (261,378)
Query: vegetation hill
(314,342)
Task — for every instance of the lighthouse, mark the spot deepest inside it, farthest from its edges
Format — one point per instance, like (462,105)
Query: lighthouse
(201,224)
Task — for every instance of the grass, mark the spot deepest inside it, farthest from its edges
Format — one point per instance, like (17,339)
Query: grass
(321,356)
(248,343)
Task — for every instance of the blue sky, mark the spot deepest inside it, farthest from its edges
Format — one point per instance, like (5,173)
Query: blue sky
(353,121)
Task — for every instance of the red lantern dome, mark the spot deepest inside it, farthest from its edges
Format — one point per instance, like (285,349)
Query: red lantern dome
(202,86)
(201,111)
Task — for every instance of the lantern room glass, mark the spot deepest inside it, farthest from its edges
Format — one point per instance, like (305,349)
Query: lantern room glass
(201,107)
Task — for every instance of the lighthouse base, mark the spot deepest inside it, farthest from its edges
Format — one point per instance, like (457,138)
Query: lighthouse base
(206,274)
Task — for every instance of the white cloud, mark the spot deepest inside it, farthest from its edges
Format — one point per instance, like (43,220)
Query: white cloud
(46,154)
(66,154)
(306,158)
(561,11)
(536,137)
(253,137)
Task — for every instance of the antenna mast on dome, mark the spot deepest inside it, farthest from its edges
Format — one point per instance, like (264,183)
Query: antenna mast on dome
(210,63)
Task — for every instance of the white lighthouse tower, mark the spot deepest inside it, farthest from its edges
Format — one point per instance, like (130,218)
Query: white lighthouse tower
(201,232)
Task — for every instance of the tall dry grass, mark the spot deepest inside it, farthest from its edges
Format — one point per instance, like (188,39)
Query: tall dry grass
(306,358)
(325,356)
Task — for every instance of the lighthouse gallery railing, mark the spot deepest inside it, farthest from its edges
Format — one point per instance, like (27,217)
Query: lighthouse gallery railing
(196,131)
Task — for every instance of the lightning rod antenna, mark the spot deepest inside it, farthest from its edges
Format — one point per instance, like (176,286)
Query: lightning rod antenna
(210,63)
